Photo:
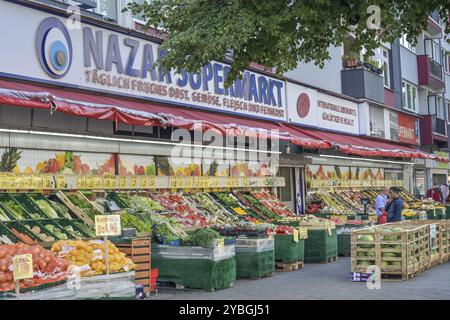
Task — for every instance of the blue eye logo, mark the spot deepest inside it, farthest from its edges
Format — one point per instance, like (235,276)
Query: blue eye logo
(54,47)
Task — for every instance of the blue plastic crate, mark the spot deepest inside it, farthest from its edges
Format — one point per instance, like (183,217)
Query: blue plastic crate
(175,243)
(229,241)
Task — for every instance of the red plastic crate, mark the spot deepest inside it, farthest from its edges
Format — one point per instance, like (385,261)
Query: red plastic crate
(153,279)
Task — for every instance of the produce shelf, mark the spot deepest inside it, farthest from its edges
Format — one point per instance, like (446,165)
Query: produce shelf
(33,210)
(9,203)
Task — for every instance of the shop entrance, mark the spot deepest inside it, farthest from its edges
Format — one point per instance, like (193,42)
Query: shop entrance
(287,193)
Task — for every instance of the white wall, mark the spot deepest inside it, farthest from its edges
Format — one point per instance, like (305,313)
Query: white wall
(328,78)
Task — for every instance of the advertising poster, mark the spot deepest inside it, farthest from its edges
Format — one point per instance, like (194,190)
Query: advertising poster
(183,167)
(137,165)
(56,162)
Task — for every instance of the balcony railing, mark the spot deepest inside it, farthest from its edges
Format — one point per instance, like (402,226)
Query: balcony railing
(439,126)
(435,68)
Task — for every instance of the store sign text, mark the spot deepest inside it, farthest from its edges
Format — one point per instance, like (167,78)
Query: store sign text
(136,71)
(328,116)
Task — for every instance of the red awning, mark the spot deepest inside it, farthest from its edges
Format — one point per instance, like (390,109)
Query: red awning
(146,114)
(366,147)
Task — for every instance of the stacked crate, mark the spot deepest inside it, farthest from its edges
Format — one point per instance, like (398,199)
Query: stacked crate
(399,255)
(139,251)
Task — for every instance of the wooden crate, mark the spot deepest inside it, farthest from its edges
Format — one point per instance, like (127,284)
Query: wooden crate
(439,247)
(408,249)
(76,210)
(139,251)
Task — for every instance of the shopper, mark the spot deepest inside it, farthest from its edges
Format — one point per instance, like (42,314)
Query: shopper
(380,205)
(444,192)
(394,207)
(435,194)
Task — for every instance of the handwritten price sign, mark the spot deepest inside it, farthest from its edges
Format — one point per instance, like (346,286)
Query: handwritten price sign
(107,225)
(23,267)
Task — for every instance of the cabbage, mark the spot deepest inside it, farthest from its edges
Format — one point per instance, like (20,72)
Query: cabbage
(47,209)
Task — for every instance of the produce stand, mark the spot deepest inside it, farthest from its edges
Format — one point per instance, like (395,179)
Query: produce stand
(255,257)
(321,245)
(195,267)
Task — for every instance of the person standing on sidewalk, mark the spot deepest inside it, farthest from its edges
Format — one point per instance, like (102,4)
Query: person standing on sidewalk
(394,207)
(380,205)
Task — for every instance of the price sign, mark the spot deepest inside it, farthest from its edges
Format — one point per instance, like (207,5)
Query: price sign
(37,182)
(295,235)
(60,182)
(47,182)
(144,182)
(151,182)
(221,242)
(11,182)
(173,182)
(23,266)
(3,181)
(188,183)
(196,182)
(89,182)
(133,182)
(246,182)
(28,182)
(215,182)
(107,225)
(81,182)
(122,182)
(97,182)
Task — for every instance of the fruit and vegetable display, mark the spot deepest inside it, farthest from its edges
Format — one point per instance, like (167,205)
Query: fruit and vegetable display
(87,207)
(3,215)
(256,206)
(14,209)
(349,203)
(41,234)
(47,209)
(202,238)
(89,256)
(273,203)
(47,268)
(284,230)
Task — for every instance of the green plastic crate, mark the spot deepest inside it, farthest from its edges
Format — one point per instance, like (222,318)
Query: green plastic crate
(255,264)
(287,250)
(320,245)
(344,244)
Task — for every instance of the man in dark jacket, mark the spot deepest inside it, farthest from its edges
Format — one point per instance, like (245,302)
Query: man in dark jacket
(395,206)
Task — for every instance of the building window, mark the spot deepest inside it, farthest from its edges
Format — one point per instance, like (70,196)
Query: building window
(385,63)
(108,9)
(447,108)
(140,17)
(446,60)
(405,43)
(410,97)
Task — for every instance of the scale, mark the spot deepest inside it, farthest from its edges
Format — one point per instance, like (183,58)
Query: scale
(365,202)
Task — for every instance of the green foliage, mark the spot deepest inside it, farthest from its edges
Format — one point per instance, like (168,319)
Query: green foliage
(277,33)
(203,237)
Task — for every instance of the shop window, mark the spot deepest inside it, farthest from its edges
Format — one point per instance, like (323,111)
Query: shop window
(137,131)
(386,71)
(439,179)
(410,98)
(286,191)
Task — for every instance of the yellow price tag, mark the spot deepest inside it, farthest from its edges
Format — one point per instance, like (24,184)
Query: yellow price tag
(151,182)
(60,182)
(22,266)
(122,182)
(89,182)
(37,182)
(144,181)
(295,235)
(97,182)
(3,181)
(28,182)
(188,183)
(246,182)
(173,182)
(81,182)
(179,182)
(196,182)
(11,182)
(47,182)
(133,182)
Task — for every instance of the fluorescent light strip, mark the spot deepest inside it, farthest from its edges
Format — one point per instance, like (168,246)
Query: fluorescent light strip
(363,159)
(70,135)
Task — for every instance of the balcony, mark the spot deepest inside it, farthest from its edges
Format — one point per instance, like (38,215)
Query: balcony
(433,26)
(430,73)
(363,84)
(433,130)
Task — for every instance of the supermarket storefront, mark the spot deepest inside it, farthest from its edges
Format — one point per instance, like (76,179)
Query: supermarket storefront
(96,104)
